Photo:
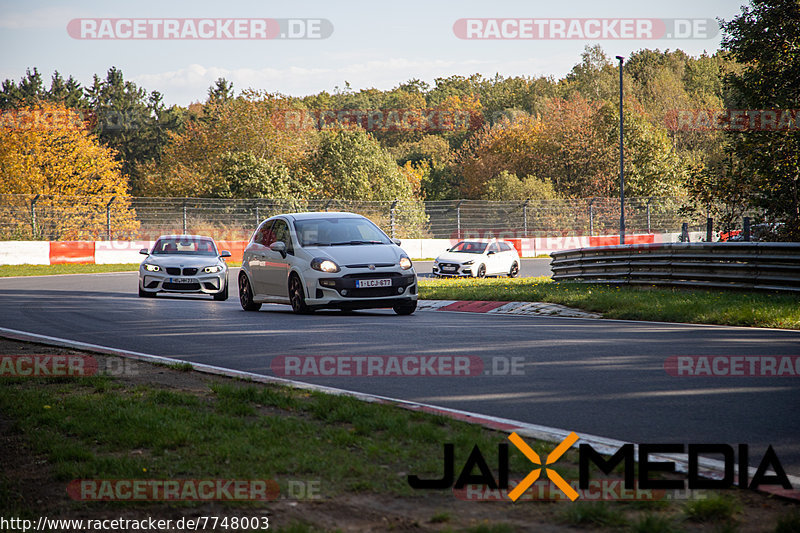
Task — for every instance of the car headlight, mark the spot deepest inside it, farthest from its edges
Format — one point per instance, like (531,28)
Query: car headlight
(324,265)
(152,268)
(212,269)
(465,263)
(405,262)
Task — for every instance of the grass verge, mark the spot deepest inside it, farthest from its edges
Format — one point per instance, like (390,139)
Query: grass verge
(732,308)
(72,268)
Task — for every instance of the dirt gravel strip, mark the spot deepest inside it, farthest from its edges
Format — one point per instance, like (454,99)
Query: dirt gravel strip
(708,468)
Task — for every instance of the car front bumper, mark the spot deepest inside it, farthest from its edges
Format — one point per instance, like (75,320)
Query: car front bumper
(198,284)
(341,292)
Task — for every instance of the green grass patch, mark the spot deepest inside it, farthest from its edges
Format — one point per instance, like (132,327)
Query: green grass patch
(655,523)
(234,430)
(714,508)
(733,308)
(72,268)
(594,514)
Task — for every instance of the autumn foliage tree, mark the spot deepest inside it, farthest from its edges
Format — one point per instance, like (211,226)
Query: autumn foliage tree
(47,150)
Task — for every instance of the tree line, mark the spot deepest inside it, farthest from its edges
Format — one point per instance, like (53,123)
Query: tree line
(524,137)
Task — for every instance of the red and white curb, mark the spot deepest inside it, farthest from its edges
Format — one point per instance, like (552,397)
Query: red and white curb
(504,308)
(708,468)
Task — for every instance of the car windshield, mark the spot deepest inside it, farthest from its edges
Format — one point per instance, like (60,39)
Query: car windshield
(469,247)
(186,246)
(338,231)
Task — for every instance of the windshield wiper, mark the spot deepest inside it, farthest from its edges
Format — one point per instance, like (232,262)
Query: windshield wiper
(316,244)
(354,243)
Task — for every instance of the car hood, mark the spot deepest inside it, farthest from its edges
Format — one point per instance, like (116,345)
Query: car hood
(458,257)
(358,254)
(182,260)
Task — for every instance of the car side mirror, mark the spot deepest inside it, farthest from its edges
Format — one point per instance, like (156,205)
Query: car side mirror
(144,251)
(396,241)
(224,253)
(280,247)
(490,252)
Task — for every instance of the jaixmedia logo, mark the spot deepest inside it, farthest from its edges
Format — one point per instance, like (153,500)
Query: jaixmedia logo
(769,471)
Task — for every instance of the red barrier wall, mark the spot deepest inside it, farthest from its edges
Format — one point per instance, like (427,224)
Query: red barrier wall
(71,252)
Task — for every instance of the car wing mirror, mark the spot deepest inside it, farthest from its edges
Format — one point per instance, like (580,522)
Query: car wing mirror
(280,247)
(396,241)
(490,252)
(144,251)
(224,253)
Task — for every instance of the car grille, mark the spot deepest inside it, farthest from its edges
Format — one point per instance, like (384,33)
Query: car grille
(366,265)
(372,292)
(181,286)
(175,271)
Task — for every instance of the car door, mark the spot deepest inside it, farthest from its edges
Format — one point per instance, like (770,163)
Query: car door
(493,259)
(506,257)
(276,266)
(256,257)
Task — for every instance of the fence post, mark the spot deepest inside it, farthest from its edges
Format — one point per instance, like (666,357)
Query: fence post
(394,205)
(648,214)
(184,217)
(591,217)
(525,217)
(258,218)
(458,219)
(33,214)
(709,229)
(746,229)
(108,217)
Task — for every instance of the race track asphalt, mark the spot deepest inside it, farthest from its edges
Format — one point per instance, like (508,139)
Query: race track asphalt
(598,377)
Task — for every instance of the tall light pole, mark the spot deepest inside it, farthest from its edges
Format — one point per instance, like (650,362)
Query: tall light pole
(621,161)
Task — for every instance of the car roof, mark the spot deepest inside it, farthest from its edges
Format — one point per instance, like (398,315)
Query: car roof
(318,215)
(185,236)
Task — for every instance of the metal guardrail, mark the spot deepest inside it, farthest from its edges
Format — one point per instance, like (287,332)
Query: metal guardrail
(741,265)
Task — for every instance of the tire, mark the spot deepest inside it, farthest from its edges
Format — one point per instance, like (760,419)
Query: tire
(481,273)
(146,294)
(405,308)
(297,296)
(246,294)
(514,271)
(222,296)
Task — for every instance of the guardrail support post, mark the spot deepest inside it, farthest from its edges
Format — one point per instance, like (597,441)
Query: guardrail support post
(746,229)
(525,217)
(648,214)
(458,219)
(591,217)
(184,218)
(709,229)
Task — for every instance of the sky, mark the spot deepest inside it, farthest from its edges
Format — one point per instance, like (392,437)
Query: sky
(305,47)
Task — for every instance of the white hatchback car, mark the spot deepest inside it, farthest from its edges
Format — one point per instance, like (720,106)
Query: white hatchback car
(184,264)
(326,260)
(478,259)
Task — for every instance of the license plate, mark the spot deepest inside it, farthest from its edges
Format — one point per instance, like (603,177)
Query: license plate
(181,280)
(449,268)
(364,283)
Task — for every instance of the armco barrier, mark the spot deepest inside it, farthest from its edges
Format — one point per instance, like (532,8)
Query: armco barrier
(745,265)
